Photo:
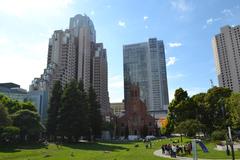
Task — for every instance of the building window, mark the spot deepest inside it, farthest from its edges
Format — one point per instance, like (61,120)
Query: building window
(150,124)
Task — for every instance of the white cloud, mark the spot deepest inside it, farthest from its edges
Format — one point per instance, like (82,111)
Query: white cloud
(145,18)
(122,23)
(171,61)
(24,61)
(19,69)
(175,44)
(181,5)
(92,12)
(29,7)
(209,21)
(227,12)
(3,41)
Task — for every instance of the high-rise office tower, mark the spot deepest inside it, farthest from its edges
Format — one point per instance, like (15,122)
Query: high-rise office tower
(74,54)
(145,65)
(100,77)
(226,48)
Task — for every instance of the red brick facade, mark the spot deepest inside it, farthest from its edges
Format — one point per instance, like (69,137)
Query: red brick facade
(136,121)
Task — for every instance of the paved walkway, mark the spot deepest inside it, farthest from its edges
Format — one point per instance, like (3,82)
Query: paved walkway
(159,154)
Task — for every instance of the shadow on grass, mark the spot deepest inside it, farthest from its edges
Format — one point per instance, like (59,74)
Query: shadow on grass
(95,146)
(18,148)
(120,142)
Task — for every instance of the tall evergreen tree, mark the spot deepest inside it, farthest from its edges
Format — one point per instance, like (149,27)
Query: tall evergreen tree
(54,105)
(95,117)
(82,111)
(69,113)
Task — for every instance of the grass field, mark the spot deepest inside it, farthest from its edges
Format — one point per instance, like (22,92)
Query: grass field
(96,151)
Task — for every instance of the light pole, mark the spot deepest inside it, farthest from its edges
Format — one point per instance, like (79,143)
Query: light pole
(231,142)
(223,112)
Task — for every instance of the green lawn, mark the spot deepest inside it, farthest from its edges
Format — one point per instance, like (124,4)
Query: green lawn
(96,151)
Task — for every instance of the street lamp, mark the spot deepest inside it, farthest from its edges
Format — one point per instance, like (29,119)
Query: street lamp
(231,142)
(224,118)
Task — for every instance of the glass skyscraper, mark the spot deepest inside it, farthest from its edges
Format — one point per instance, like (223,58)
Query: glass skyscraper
(145,65)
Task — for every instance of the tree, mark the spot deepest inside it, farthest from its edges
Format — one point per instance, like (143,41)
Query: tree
(217,113)
(189,127)
(68,119)
(29,106)
(29,124)
(180,109)
(95,117)
(82,111)
(9,134)
(11,105)
(200,106)
(4,117)
(54,105)
(233,103)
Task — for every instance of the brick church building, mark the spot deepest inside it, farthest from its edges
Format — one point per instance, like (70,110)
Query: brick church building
(136,120)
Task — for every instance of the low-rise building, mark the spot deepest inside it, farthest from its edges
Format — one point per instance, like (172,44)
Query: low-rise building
(13,91)
(136,120)
(117,108)
(39,98)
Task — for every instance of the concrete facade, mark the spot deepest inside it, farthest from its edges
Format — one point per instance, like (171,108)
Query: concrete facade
(118,109)
(73,54)
(226,48)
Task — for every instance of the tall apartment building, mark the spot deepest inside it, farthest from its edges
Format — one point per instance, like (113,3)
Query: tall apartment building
(145,65)
(226,48)
(74,54)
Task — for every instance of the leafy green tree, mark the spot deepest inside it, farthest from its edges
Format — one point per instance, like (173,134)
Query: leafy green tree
(29,106)
(54,105)
(9,134)
(11,105)
(233,104)
(4,117)
(200,106)
(29,124)
(169,127)
(189,127)
(95,117)
(217,113)
(180,109)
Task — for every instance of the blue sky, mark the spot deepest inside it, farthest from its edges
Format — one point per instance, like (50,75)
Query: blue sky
(185,26)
